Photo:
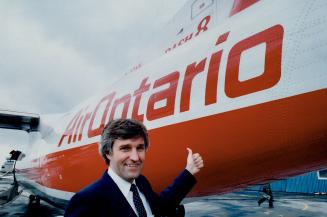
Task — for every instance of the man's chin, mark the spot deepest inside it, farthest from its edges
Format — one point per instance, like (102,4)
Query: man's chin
(134,175)
(130,178)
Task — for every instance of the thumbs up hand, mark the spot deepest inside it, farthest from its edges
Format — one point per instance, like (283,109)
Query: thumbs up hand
(194,162)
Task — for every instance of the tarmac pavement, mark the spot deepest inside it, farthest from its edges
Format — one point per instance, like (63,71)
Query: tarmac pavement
(230,205)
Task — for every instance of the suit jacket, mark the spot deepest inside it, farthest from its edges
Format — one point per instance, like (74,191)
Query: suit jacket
(104,198)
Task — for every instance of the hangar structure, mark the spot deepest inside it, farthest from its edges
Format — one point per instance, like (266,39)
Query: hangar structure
(308,183)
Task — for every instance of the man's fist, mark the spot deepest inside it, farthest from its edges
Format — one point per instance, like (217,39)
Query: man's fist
(194,162)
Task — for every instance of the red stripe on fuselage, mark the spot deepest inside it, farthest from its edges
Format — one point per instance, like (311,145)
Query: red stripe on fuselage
(245,146)
(240,5)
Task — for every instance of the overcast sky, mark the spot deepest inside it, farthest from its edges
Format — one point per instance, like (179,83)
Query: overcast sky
(55,54)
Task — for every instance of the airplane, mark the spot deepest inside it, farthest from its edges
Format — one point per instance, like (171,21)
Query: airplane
(242,82)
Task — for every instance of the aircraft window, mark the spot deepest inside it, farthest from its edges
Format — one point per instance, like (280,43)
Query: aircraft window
(200,5)
(322,174)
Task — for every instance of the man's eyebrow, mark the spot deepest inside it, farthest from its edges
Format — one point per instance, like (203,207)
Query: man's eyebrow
(124,145)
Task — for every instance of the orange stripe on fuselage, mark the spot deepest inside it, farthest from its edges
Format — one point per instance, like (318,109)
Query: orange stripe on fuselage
(266,141)
(240,5)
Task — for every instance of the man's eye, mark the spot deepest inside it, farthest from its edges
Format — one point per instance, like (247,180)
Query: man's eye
(142,148)
(124,148)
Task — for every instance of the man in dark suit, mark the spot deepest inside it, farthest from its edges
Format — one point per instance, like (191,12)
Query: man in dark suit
(122,190)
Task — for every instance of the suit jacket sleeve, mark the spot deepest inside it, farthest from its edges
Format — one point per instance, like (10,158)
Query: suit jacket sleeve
(170,198)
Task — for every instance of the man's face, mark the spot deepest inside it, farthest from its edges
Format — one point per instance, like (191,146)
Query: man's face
(127,157)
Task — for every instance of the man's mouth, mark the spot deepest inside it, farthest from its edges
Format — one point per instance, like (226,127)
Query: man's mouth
(132,165)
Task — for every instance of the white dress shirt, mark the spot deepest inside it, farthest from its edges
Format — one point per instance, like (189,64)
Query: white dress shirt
(125,188)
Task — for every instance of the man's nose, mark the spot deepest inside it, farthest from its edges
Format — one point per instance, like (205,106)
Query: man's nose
(134,155)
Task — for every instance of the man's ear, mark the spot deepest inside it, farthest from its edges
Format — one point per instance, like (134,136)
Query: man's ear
(108,155)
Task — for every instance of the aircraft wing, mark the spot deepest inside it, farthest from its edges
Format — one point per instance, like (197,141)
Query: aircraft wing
(19,120)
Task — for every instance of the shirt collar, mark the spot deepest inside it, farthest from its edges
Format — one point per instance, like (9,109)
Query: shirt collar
(122,184)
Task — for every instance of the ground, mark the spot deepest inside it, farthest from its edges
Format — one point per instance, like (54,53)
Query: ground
(233,204)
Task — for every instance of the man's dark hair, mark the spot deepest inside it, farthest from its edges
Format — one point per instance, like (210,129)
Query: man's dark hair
(121,129)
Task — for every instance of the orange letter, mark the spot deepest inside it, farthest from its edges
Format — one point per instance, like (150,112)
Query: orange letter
(70,129)
(124,100)
(212,78)
(191,71)
(87,117)
(169,94)
(138,94)
(202,27)
(213,72)
(273,37)
(95,132)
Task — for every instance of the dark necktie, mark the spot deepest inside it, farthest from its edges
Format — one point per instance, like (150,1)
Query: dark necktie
(138,202)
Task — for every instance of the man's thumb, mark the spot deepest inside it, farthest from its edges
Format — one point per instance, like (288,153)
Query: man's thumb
(190,153)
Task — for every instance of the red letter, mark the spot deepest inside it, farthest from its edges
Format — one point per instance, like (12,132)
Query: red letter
(167,50)
(273,37)
(188,37)
(77,127)
(169,94)
(95,132)
(202,27)
(213,72)
(191,71)
(138,94)
(70,129)
(212,78)
(222,38)
(125,100)
(181,42)
(87,117)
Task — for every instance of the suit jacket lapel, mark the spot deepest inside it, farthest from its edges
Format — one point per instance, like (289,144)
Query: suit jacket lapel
(115,196)
(146,189)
